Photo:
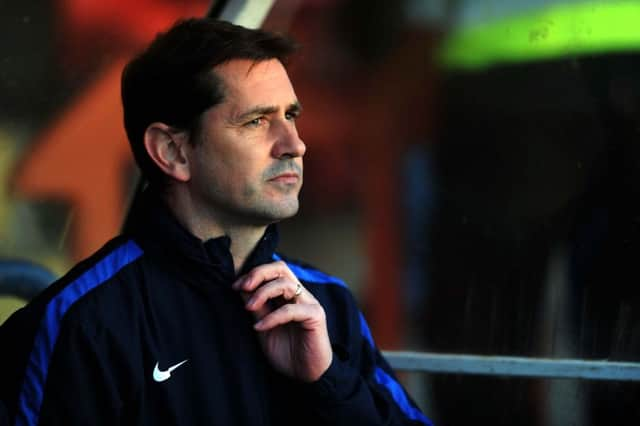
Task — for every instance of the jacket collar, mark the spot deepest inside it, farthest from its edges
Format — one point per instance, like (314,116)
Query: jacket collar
(157,230)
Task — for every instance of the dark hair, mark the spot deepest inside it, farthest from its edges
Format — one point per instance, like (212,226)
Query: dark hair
(173,82)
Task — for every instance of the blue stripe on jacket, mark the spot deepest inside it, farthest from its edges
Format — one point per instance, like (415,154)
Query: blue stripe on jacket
(381,376)
(30,399)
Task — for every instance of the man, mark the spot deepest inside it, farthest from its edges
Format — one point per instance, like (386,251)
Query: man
(190,317)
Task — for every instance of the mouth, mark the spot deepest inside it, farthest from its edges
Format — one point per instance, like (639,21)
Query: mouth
(286,178)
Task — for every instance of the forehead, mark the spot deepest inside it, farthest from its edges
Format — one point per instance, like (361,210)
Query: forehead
(247,81)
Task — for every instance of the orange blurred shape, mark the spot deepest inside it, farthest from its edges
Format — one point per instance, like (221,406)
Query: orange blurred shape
(82,158)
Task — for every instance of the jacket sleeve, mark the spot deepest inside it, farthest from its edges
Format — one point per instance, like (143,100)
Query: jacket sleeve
(63,383)
(360,388)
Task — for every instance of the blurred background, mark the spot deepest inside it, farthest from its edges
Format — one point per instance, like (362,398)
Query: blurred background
(473,174)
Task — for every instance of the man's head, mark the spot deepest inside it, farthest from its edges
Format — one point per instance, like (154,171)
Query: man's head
(209,107)
(173,82)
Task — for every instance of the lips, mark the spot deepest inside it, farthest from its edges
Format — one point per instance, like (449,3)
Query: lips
(286,178)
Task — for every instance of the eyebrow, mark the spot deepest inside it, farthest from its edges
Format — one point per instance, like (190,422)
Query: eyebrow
(294,107)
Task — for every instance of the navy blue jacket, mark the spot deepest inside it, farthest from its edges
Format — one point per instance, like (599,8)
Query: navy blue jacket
(88,350)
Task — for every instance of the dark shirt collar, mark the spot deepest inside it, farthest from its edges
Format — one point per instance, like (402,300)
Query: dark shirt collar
(157,230)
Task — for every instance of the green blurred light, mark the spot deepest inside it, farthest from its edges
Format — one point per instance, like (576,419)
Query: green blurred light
(553,32)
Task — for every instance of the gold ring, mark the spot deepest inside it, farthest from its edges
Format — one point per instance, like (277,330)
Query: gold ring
(298,290)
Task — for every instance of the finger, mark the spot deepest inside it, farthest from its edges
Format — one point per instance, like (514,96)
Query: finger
(262,308)
(309,316)
(282,287)
(261,274)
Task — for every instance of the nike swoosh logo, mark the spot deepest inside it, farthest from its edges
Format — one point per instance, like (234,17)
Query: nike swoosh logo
(162,375)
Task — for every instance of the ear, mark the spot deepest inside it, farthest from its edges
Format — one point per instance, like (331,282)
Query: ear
(168,150)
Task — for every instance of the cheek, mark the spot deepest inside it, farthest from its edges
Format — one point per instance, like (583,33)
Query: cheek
(235,171)
(239,176)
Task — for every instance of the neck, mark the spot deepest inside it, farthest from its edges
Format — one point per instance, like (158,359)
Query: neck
(205,225)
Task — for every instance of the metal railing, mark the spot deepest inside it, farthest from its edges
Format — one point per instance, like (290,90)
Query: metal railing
(513,366)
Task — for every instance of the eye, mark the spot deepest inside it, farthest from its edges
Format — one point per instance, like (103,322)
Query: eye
(291,115)
(256,122)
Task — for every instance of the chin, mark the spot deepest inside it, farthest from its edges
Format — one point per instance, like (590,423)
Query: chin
(269,210)
(282,210)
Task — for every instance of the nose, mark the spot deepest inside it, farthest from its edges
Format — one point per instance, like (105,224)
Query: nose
(288,143)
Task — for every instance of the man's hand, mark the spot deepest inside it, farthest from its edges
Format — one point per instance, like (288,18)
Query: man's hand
(292,329)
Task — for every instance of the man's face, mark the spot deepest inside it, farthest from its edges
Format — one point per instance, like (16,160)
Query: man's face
(247,166)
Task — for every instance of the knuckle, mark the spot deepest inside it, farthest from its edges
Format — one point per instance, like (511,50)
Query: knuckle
(318,310)
(283,265)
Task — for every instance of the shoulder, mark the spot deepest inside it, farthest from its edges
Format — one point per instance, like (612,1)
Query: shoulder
(62,308)
(75,288)
(91,275)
